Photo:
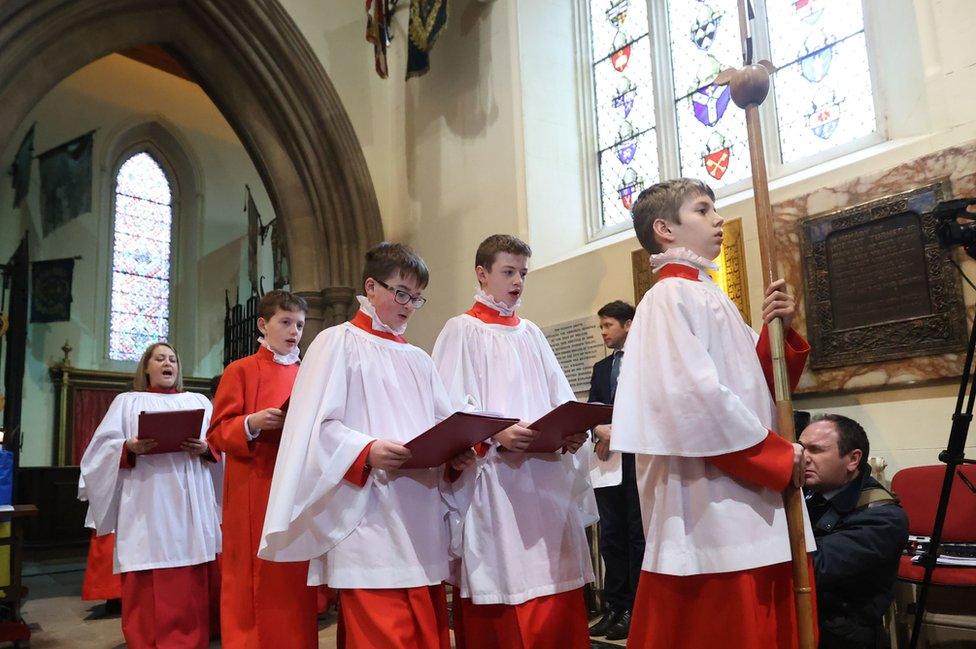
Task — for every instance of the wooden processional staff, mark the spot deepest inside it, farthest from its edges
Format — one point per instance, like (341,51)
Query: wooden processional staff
(749,86)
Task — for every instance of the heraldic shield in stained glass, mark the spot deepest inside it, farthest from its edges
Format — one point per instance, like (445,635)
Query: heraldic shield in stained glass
(821,93)
(822,85)
(704,38)
(623,91)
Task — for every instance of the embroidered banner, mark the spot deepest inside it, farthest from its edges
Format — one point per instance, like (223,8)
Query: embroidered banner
(20,170)
(66,180)
(427,18)
(51,290)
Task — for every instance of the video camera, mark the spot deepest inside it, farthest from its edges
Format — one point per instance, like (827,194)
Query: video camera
(951,230)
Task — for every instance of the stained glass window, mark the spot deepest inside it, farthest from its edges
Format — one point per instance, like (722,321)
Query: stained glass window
(821,93)
(823,84)
(705,40)
(624,100)
(141,250)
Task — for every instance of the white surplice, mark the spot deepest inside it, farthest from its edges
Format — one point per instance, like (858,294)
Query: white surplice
(164,509)
(522,516)
(692,387)
(354,387)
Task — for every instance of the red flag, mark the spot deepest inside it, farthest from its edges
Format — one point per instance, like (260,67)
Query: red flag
(376,33)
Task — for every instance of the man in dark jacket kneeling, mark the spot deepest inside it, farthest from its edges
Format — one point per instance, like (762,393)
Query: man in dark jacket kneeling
(860,530)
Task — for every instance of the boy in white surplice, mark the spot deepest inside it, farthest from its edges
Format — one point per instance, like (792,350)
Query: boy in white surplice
(524,556)
(339,498)
(693,401)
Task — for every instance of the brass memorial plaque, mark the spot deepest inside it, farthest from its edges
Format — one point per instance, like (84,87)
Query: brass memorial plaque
(878,284)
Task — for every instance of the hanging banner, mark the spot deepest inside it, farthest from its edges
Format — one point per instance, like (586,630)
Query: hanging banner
(66,181)
(51,290)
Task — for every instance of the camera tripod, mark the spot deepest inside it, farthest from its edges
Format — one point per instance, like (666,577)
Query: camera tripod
(954,456)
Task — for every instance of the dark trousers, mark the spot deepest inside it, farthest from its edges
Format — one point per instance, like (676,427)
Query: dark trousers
(621,537)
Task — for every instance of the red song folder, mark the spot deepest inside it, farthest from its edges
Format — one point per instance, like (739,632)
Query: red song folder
(460,431)
(273,435)
(170,428)
(566,420)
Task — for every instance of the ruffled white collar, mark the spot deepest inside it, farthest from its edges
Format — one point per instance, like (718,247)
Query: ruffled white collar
(366,307)
(681,256)
(501,307)
(281,359)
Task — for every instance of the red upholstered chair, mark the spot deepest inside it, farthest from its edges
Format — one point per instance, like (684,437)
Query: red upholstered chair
(952,600)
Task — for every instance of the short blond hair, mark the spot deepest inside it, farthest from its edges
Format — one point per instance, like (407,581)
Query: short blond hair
(140,382)
(663,201)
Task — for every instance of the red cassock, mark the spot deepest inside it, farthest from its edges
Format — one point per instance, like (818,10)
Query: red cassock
(263,603)
(741,609)
(167,607)
(100,582)
(405,618)
(556,621)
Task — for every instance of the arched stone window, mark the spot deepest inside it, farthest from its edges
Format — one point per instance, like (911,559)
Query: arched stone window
(142,252)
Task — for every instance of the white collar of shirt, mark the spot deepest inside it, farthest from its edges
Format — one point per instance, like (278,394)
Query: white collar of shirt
(502,308)
(681,256)
(366,307)
(281,359)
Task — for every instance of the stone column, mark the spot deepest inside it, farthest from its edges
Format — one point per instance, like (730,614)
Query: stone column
(339,304)
(314,318)
(326,308)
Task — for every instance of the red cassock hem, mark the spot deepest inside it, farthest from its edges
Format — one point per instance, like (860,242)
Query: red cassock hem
(406,618)
(745,609)
(549,622)
(100,583)
(167,607)
(271,607)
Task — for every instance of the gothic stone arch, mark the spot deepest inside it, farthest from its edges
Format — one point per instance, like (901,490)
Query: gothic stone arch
(254,63)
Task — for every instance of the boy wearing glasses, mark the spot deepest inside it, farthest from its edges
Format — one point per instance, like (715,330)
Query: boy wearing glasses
(524,555)
(338,497)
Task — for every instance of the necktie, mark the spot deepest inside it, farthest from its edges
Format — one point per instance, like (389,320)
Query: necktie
(615,372)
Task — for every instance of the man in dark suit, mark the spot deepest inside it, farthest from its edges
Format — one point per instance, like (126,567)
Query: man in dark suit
(860,531)
(621,529)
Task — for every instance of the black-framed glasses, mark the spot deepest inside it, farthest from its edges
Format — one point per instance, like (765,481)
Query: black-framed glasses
(402,297)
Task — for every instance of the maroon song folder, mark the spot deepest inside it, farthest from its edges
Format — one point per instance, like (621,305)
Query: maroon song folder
(460,431)
(566,420)
(169,428)
(273,435)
